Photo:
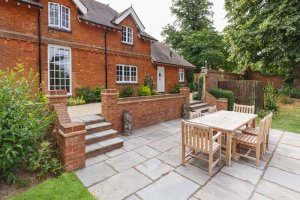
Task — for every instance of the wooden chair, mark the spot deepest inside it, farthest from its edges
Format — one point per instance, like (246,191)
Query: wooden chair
(255,131)
(243,108)
(250,142)
(200,139)
(195,114)
(212,109)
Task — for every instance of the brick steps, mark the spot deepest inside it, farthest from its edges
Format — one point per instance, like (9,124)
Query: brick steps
(197,105)
(103,147)
(100,137)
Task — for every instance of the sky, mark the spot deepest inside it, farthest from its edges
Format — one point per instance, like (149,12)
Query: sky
(155,14)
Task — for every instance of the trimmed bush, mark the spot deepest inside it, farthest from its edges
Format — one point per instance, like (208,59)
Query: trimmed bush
(176,89)
(126,92)
(90,95)
(24,119)
(220,93)
(148,80)
(154,92)
(200,88)
(144,91)
(192,87)
(75,101)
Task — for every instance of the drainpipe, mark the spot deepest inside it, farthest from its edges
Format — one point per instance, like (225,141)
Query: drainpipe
(105,59)
(40,49)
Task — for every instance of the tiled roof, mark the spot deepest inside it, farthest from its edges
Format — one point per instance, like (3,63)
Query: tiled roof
(160,53)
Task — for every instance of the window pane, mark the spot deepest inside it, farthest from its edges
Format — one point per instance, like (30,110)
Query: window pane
(53,14)
(127,73)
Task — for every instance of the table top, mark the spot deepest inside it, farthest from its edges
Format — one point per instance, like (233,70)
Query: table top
(225,120)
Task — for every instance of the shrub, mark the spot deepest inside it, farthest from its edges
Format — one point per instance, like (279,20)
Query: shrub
(24,119)
(154,92)
(200,88)
(90,95)
(126,92)
(176,89)
(192,87)
(270,98)
(290,91)
(262,113)
(285,99)
(195,96)
(148,80)
(75,101)
(189,75)
(220,93)
(144,91)
(44,161)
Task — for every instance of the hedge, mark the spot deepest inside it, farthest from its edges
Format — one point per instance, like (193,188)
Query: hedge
(220,93)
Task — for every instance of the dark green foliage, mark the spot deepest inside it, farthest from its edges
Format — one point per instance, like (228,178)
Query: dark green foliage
(154,92)
(220,93)
(189,75)
(75,101)
(290,91)
(192,86)
(148,80)
(270,98)
(144,91)
(24,119)
(262,113)
(90,95)
(127,92)
(44,160)
(176,89)
(200,88)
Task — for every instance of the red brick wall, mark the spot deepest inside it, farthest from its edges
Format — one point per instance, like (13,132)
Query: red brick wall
(277,81)
(145,110)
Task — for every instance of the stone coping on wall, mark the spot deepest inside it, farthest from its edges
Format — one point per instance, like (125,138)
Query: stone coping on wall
(149,98)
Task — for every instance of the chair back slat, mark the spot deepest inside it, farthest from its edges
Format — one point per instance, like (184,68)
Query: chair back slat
(261,130)
(243,108)
(268,124)
(197,136)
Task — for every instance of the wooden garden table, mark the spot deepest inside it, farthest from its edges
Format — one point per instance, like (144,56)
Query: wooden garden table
(227,122)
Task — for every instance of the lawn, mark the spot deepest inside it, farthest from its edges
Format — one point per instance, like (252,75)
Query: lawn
(65,187)
(288,118)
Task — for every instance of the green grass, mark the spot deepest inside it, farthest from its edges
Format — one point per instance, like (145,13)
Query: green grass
(288,118)
(65,187)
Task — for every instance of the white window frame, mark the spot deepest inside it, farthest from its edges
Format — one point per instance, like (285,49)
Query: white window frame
(123,73)
(59,25)
(70,51)
(181,75)
(127,36)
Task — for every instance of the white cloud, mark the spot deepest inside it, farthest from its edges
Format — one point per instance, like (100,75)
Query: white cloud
(155,14)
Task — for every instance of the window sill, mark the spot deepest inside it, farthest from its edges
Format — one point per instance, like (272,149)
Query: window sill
(59,29)
(127,83)
(129,44)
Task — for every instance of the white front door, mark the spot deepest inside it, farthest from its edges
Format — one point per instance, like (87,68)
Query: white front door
(160,79)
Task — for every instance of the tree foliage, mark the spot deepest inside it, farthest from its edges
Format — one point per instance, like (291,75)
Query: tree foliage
(193,36)
(264,34)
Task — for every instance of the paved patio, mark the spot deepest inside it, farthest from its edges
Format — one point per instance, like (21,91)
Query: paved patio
(148,167)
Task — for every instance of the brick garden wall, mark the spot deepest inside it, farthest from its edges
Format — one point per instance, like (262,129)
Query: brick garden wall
(145,110)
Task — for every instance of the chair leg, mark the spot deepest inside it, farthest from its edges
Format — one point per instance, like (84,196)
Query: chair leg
(267,141)
(234,149)
(210,162)
(183,155)
(257,155)
(220,157)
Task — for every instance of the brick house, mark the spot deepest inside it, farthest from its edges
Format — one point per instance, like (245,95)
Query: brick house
(76,43)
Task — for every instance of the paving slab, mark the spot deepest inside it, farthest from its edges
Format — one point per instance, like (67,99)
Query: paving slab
(291,139)
(258,196)
(95,173)
(285,163)
(154,168)
(125,161)
(157,135)
(204,165)
(276,192)
(283,178)
(288,150)
(251,163)
(193,173)
(96,159)
(171,157)
(115,152)
(147,151)
(225,187)
(243,172)
(173,129)
(163,145)
(135,143)
(120,186)
(133,197)
(170,187)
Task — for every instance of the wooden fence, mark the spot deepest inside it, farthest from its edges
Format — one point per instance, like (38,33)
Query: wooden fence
(246,92)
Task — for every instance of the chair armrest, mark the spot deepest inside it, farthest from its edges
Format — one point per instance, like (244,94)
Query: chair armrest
(219,134)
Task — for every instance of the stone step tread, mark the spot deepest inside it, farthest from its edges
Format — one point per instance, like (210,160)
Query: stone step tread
(195,102)
(88,119)
(98,125)
(198,105)
(200,109)
(103,144)
(100,134)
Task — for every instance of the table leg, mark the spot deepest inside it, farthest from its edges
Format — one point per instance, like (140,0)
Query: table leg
(228,148)
(253,123)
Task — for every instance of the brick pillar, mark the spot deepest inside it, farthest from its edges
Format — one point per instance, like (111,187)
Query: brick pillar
(109,98)
(69,136)
(186,92)
(222,104)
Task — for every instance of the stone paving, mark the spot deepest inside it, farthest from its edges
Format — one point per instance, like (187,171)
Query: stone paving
(148,167)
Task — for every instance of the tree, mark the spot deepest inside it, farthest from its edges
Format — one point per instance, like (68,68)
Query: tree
(193,36)
(264,34)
